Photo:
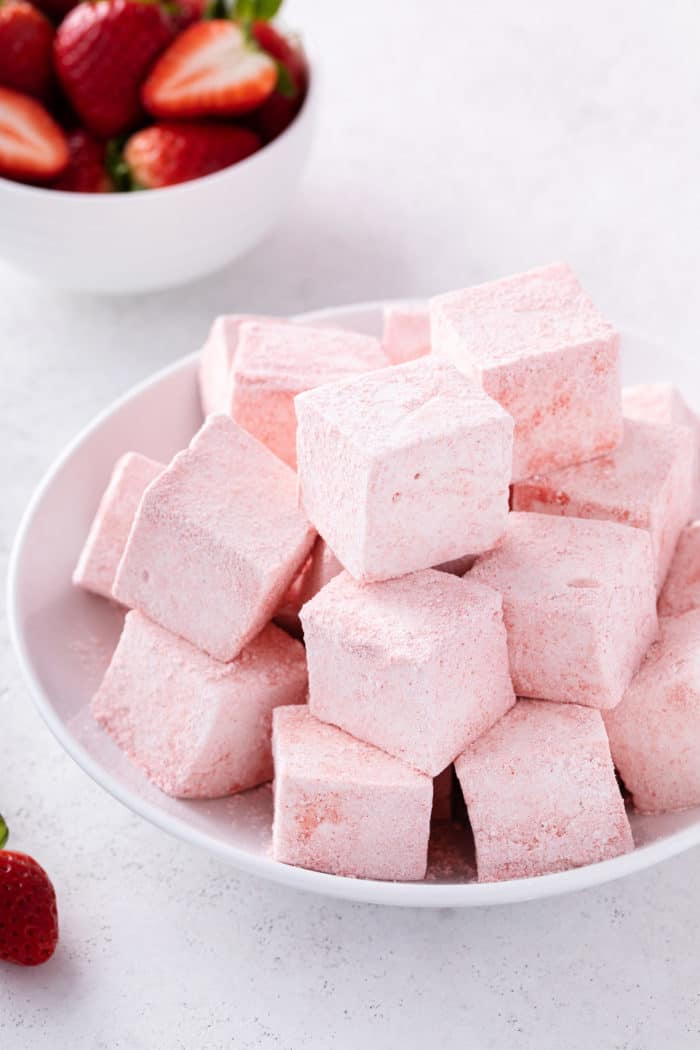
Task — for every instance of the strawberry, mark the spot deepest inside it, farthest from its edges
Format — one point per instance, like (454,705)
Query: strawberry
(103,52)
(86,171)
(33,148)
(185,12)
(168,153)
(211,69)
(28,915)
(282,106)
(26,49)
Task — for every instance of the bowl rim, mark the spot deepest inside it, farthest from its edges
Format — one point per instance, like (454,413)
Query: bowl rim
(94,200)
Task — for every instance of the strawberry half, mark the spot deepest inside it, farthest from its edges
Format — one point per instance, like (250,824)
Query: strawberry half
(211,69)
(169,153)
(33,148)
(103,52)
(86,171)
(28,915)
(26,49)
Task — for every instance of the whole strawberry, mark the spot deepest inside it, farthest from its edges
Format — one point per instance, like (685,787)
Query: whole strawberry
(26,48)
(86,171)
(168,153)
(280,109)
(28,915)
(103,52)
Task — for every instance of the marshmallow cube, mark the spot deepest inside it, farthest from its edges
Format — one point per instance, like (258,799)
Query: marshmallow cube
(542,350)
(541,793)
(655,732)
(406,332)
(404,468)
(579,605)
(344,807)
(417,666)
(275,362)
(104,546)
(216,360)
(647,482)
(198,728)
(681,591)
(663,403)
(216,541)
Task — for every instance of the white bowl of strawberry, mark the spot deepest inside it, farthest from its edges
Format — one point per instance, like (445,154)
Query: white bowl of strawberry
(145,144)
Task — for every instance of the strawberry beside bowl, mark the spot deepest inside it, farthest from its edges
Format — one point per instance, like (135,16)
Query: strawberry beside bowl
(138,242)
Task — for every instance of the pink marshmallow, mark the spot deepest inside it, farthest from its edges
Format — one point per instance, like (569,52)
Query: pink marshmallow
(542,350)
(216,359)
(646,482)
(104,546)
(198,728)
(663,403)
(541,793)
(404,468)
(275,362)
(216,541)
(344,807)
(681,591)
(655,732)
(406,332)
(579,605)
(417,666)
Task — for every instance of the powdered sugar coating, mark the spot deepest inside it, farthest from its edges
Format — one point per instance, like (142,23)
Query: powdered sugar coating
(216,358)
(343,806)
(647,482)
(275,362)
(579,605)
(541,793)
(197,727)
(106,540)
(417,666)
(655,732)
(664,403)
(406,333)
(681,591)
(404,468)
(216,542)
(542,350)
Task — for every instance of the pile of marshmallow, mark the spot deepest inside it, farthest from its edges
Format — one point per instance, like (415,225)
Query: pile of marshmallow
(469,523)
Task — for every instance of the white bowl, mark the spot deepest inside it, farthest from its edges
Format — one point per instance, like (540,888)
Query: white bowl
(64,639)
(118,243)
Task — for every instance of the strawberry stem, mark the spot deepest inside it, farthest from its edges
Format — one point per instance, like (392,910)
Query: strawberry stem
(4,831)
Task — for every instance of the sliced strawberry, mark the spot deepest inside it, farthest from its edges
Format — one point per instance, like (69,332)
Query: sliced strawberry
(86,171)
(173,152)
(280,109)
(26,49)
(103,52)
(33,148)
(209,70)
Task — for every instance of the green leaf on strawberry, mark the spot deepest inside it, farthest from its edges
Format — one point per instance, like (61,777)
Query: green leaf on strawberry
(4,832)
(256,10)
(285,82)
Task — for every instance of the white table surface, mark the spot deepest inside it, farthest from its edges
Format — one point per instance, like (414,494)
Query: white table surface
(457,142)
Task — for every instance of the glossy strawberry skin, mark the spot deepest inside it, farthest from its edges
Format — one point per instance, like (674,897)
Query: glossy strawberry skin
(278,112)
(28,913)
(33,148)
(103,52)
(210,70)
(26,49)
(86,171)
(169,153)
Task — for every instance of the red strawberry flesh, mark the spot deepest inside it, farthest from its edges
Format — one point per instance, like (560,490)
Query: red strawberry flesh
(33,147)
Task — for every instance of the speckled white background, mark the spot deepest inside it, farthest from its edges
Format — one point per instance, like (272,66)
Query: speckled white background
(457,142)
